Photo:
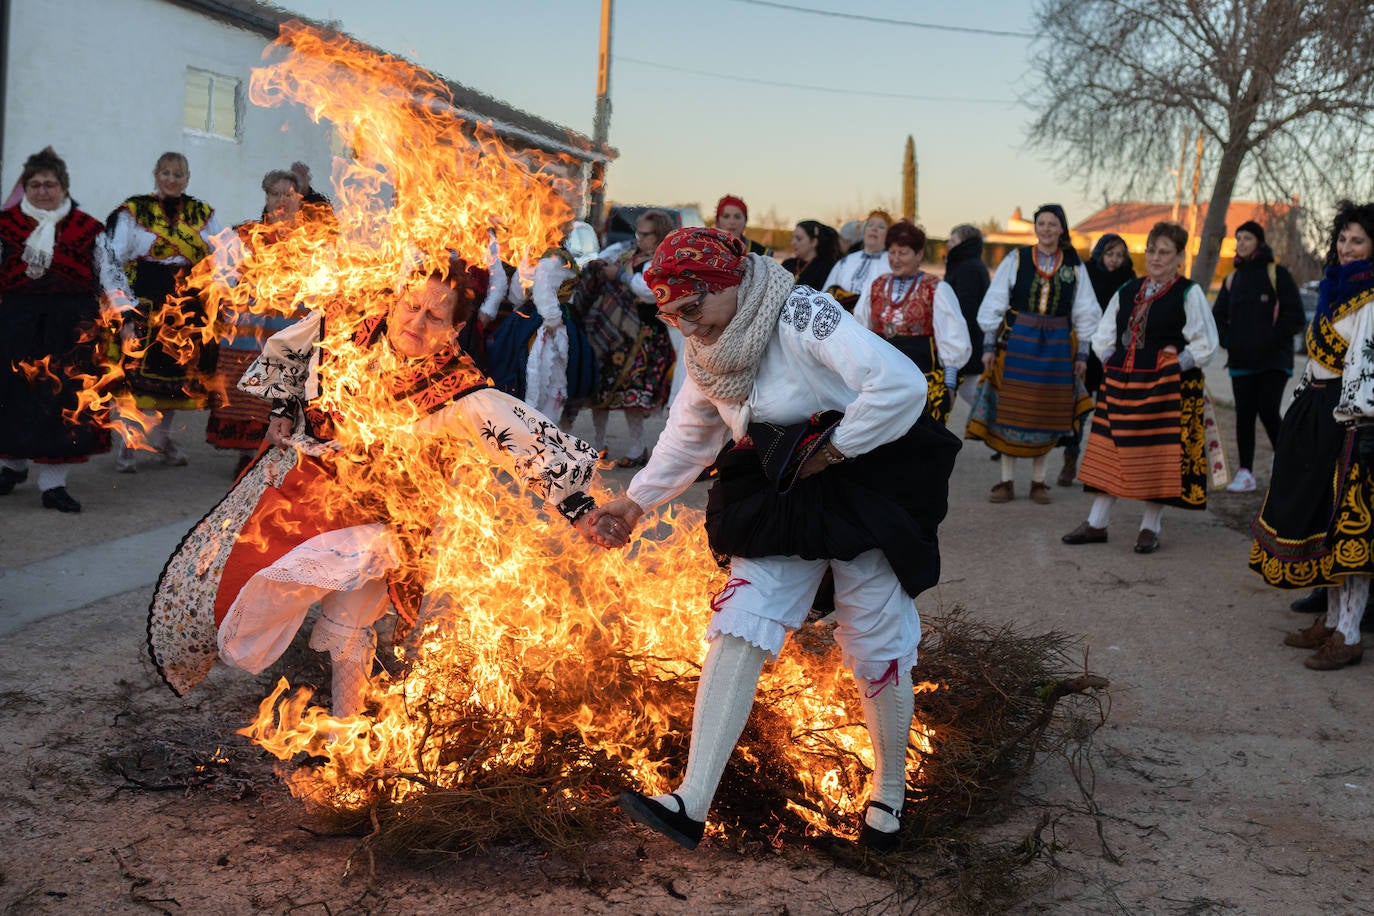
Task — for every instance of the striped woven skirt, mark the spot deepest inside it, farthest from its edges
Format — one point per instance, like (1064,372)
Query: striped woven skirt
(1316,524)
(1148,440)
(1028,400)
(237,420)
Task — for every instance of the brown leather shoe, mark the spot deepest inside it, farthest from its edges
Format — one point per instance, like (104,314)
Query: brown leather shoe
(1003,492)
(1334,653)
(1040,493)
(1312,637)
(1146,541)
(1086,534)
(1070,470)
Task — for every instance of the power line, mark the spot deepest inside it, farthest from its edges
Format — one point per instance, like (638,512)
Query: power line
(810,88)
(902,22)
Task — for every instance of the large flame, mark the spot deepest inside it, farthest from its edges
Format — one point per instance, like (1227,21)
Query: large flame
(528,631)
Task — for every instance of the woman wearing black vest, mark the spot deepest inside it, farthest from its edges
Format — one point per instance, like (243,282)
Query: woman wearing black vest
(1258,311)
(1037,318)
(1147,438)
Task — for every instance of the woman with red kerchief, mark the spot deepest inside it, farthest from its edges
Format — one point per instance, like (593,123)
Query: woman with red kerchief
(818,430)
(50,267)
(918,313)
(732,216)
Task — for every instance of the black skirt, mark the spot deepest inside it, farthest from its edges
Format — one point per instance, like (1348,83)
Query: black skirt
(62,329)
(892,498)
(1315,526)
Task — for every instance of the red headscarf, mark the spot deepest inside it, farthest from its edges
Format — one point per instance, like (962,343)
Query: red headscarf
(730,200)
(695,260)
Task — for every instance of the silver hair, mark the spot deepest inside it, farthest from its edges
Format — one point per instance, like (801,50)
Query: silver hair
(963,232)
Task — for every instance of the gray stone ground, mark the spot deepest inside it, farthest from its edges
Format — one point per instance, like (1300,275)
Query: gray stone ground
(1229,778)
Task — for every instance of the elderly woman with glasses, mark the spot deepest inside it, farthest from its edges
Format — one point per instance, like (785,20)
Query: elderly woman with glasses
(1147,440)
(51,263)
(827,462)
(853,272)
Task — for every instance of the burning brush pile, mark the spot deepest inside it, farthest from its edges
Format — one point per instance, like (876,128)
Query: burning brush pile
(542,674)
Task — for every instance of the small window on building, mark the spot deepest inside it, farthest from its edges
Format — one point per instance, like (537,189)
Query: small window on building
(212,104)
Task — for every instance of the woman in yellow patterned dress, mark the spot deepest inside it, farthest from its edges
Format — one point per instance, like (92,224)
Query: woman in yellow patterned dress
(1315,526)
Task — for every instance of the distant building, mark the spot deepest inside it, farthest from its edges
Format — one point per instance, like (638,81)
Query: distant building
(112,84)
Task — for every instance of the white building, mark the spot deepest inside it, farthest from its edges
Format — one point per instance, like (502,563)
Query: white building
(112,84)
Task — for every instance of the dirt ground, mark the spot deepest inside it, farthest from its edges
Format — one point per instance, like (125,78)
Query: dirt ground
(1228,777)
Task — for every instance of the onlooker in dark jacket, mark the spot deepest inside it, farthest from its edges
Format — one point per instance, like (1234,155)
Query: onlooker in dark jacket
(969,277)
(1258,310)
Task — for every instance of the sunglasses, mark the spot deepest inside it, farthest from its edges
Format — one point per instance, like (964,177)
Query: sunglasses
(690,312)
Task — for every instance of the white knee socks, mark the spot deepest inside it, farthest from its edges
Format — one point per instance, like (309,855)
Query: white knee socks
(1350,597)
(1151,517)
(52,476)
(1008,468)
(888,706)
(634,419)
(1038,468)
(1101,512)
(725,695)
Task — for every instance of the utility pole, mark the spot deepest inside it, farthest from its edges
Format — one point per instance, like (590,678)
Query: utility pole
(1178,186)
(601,127)
(909,180)
(1192,213)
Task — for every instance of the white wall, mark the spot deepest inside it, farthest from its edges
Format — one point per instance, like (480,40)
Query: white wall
(103,83)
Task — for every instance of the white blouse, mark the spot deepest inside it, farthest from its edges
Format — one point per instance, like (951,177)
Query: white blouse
(857,270)
(951,331)
(1199,329)
(1084,315)
(819,359)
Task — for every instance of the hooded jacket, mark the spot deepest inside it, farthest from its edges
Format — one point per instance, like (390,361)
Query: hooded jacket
(1255,321)
(966,273)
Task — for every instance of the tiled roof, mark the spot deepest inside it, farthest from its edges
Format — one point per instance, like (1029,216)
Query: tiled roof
(1139,217)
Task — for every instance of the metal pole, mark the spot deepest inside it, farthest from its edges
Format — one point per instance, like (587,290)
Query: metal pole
(602,126)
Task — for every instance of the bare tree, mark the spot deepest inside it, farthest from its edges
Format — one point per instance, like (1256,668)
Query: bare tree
(1284,89)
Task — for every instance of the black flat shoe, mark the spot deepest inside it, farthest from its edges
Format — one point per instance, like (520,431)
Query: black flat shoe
(675,825)
(877,840)
(1314,602)
(58,498)
(10,479)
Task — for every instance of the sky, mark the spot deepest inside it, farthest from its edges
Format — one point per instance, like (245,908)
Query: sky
(722,96)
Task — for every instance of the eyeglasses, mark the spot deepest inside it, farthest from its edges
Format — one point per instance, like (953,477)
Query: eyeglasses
(690,312)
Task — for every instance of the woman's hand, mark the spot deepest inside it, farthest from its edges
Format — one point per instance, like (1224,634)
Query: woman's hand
(279,431)
(814,465)
(612,524)
(987,361)
(1080,366)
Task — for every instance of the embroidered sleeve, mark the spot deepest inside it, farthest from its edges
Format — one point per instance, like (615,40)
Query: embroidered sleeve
(1356,404)
(284,369)
(121,246)
(557,466)
(690,442)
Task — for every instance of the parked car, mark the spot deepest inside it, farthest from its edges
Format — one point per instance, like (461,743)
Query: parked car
(621,220)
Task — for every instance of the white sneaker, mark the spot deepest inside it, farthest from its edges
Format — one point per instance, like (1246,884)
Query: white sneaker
(1243,482)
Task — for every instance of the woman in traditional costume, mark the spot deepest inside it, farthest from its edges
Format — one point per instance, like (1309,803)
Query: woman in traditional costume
(157,238)
(1147,440)
(830,456)
(853,272)
(634,353)
(918,314)
(732,215)
(238,421)
(1315,528)
(50,283)
(1037,318)
(815,250)
(289,534)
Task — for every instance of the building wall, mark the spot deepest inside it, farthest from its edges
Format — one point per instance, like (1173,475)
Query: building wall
(103,82)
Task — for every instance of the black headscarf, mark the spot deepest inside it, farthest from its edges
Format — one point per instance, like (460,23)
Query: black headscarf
(1107,282)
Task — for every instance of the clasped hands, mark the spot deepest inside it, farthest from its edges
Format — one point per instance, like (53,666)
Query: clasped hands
(612,524)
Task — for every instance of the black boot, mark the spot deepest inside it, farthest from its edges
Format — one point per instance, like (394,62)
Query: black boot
(1314,602)
(10,479)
